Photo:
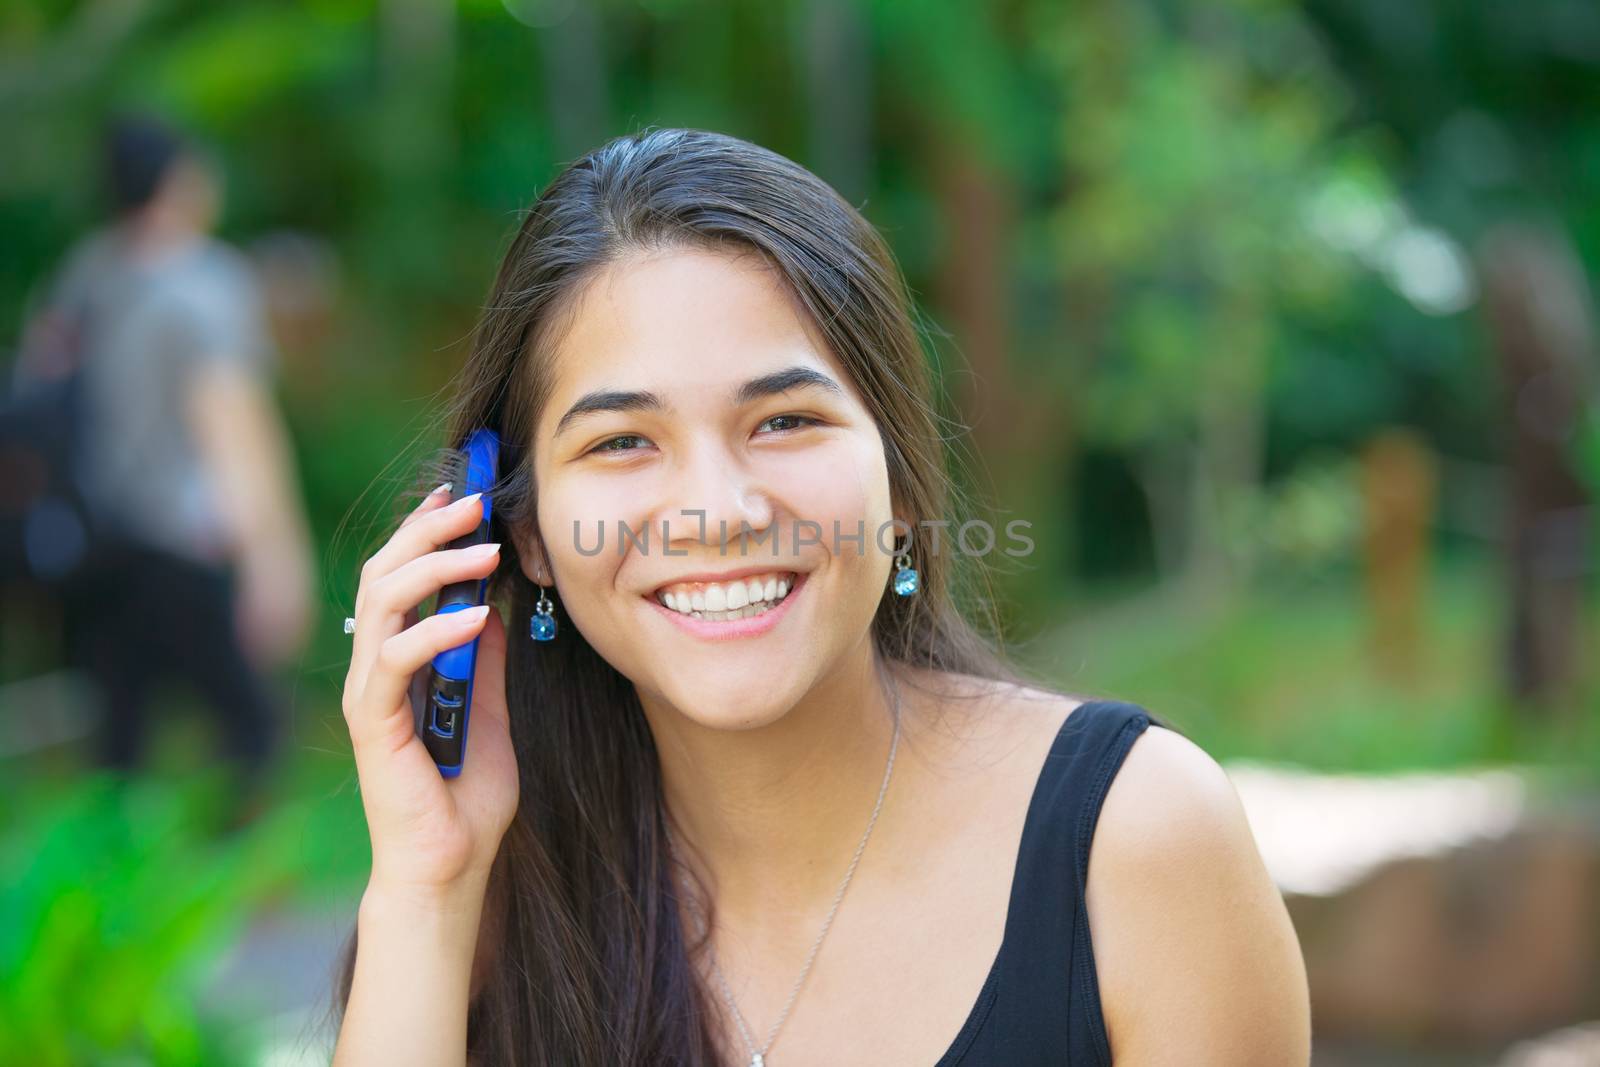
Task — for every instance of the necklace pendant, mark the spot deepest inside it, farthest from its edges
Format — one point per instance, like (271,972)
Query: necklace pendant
(756,1060)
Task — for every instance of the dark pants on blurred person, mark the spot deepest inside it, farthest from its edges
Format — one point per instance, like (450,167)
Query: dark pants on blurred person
(145,616)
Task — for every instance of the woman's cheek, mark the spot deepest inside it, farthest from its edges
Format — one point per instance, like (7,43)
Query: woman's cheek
(853,499)
(584,523)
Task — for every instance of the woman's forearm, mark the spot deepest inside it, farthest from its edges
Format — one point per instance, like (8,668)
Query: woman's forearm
(247,451)
(413,971)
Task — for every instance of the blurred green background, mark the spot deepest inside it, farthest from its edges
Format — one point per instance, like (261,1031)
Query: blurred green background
(1213,281)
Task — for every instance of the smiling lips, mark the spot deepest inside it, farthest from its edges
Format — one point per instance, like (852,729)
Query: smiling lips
(737,598)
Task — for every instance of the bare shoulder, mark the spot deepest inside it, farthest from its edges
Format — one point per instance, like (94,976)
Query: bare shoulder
(1196,958)
(1167,791)
(976,723)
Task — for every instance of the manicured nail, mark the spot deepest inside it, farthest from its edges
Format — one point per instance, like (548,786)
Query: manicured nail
(445,488)
(472,615)
(483,551)
(464,501)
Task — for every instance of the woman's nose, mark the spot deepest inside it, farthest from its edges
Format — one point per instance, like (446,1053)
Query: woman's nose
(716,501)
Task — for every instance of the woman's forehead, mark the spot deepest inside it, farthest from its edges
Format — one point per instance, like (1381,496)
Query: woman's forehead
(687,324)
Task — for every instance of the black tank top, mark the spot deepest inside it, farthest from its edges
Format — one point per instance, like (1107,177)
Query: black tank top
(1041,1001)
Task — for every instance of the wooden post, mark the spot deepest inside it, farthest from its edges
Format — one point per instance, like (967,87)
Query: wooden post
(1398,491)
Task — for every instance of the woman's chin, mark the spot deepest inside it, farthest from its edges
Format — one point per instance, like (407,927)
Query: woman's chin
(747,712)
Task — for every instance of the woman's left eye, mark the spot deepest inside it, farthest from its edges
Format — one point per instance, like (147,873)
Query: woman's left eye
(797,419)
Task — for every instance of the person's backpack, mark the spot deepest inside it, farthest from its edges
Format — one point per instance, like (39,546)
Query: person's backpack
(50,533)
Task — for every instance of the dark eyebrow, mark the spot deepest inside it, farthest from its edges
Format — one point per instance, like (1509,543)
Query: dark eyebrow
(608,400)
(782,381)
(755,389)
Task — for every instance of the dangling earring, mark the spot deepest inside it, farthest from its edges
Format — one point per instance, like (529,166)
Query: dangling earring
(542,624)
(905,579)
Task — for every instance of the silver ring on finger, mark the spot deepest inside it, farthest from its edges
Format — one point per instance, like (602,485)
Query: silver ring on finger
(349,625)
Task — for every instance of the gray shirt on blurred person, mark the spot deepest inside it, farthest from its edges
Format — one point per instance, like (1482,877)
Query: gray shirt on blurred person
(148,326)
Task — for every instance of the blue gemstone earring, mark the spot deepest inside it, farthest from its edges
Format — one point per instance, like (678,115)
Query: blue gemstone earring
(905,578)
(542,624)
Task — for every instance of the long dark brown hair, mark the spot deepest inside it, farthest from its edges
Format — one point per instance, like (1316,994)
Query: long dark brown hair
(584,958)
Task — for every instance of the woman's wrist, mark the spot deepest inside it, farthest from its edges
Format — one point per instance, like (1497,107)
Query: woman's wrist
(456,903)
(439,920)
(413,975)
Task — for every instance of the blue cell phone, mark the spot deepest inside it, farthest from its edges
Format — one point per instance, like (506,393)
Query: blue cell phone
(447,708)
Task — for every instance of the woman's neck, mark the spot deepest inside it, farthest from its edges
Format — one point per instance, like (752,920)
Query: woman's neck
(770,817)
(156,237)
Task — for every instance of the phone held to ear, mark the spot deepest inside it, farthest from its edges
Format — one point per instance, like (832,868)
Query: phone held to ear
(447,707)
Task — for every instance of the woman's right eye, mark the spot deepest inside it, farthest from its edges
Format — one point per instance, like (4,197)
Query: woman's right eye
(606,446)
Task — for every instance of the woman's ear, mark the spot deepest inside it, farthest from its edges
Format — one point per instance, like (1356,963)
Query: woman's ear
(532,558)
(900,530)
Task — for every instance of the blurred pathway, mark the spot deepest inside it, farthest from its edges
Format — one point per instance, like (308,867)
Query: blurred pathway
(1447,919)
(281,974)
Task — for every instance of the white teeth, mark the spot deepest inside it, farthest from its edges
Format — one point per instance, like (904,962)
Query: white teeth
(741,613)
(738,600)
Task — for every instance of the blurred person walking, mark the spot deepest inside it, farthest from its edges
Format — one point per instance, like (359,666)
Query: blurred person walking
(183,455)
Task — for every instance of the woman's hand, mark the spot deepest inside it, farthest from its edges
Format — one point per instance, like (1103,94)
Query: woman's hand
(431,835)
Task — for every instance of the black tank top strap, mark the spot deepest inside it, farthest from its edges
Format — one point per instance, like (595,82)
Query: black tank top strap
(1043,998)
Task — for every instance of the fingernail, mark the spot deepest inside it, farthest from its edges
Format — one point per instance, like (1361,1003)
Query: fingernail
(473,614)
(445,488)
(464,501)
(480,551)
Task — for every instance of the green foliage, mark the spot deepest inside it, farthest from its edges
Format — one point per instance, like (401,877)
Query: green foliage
(1306,523)
(1289,674)
(116,894)
(221,71)
(1192,170)
(1586,446)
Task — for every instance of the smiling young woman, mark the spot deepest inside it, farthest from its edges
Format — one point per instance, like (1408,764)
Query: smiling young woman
(767,797)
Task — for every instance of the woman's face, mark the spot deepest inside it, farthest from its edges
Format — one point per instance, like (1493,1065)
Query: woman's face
(664,407)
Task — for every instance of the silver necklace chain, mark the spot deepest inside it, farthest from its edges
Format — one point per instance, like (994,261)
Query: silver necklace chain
(758,1056)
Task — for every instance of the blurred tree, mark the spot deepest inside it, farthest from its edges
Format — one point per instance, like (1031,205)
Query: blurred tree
(1497,137)
(1542,320)
(1192,139)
